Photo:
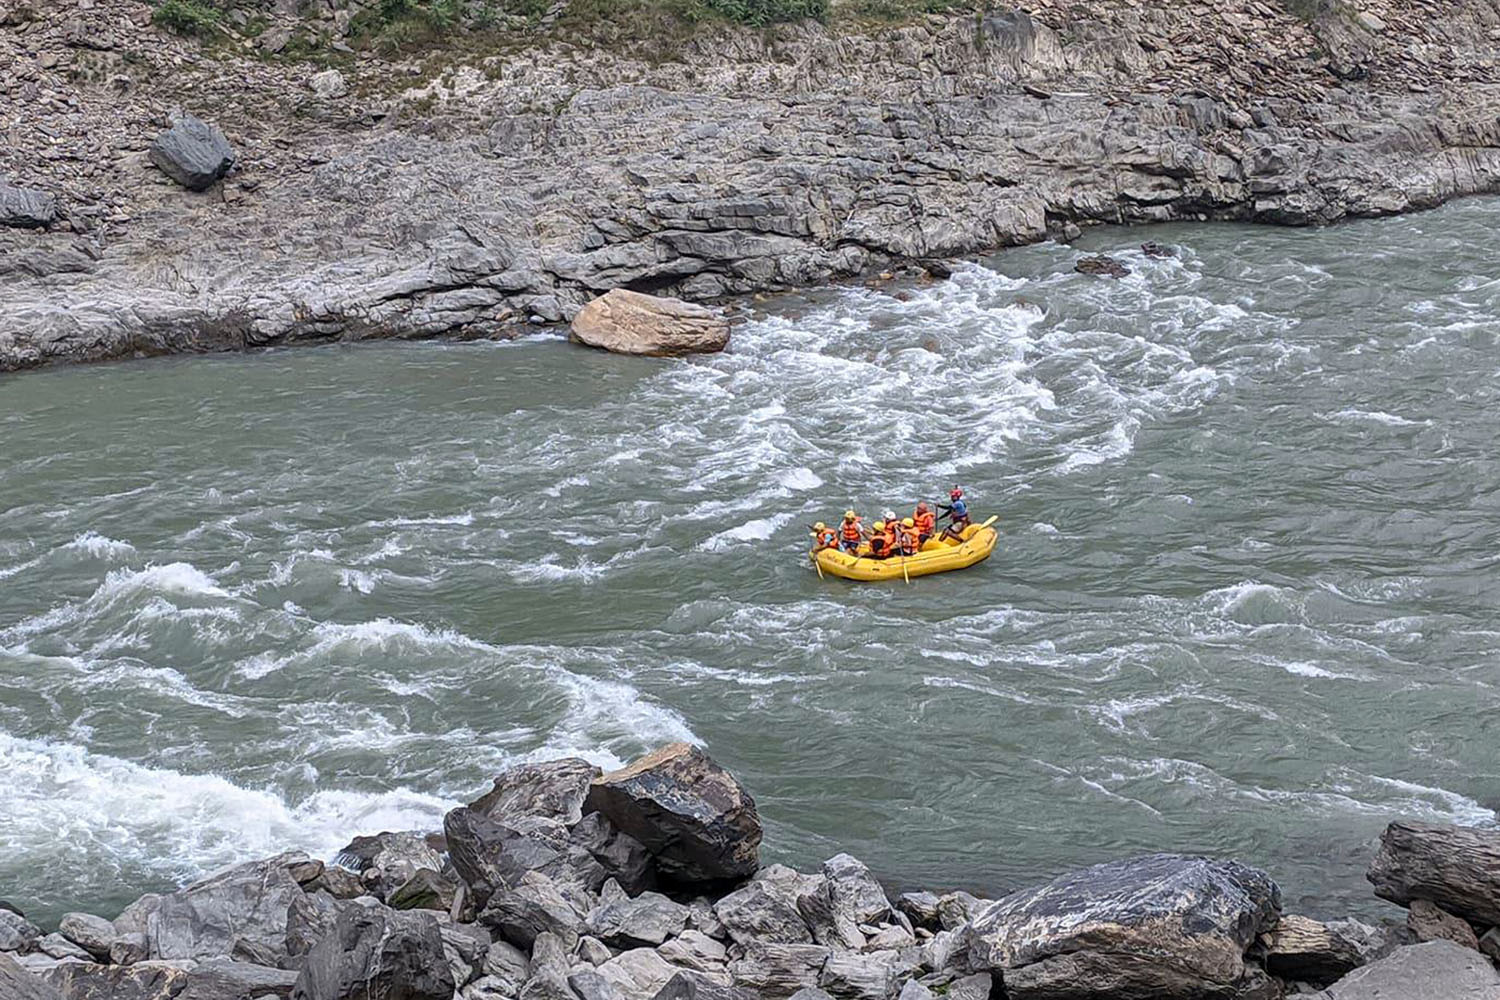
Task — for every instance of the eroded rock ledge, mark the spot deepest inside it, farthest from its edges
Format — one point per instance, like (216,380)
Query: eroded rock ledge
(512,189)
(563,883)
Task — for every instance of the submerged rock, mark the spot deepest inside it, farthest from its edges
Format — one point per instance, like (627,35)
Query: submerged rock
(1103,265)
(1162,926)
(192,153)
(698,822)
(627,322)
(1437,970)
(1454,866)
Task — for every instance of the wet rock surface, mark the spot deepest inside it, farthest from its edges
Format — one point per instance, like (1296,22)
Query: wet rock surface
(627,322)
(496,194)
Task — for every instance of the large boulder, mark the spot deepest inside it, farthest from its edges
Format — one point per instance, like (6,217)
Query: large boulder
(375,953)
(18,984)
(26,208)
(1437,970)
(1159,927)
(1305,950)
(1456,867)
(697,821)
(192,153)
(212,979)
(491,856)
(628,322)
(554,789)
(93,934)
(387,860)
(242,912)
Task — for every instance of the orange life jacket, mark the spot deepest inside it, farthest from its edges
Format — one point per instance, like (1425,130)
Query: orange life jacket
(926,522)
(908,540)
(825,539)
(851,530)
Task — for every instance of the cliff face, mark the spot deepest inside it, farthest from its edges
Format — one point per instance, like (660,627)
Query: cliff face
(503,189)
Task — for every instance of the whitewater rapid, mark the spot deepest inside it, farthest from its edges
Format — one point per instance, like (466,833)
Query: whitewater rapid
(1243,601)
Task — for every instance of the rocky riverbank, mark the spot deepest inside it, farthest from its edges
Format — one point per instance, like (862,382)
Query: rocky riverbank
(562,883)
(470,192)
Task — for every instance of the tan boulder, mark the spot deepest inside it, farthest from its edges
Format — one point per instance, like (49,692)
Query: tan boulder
(632,323)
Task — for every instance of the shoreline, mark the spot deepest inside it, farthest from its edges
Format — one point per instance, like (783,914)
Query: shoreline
(512,194)
(567,883)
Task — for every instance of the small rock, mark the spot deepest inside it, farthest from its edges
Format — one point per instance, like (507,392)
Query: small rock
(92,934)
(921,907)
(648,919)
(1155,249)
(57,946)
(1103,265)
(594,951)
(372,951)
(1489,943)
(1300,948)
(26,208)
(17,933)
(425,890)
(1430,922)
(1370,22)
(128,949)
(1436,970)
(553,789)
(328,84)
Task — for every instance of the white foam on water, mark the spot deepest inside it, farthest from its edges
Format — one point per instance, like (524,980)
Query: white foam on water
(1351,415)
(170,578)
(180,825)
(758,530)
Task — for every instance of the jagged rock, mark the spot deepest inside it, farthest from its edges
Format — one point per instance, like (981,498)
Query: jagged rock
(854,976)
(241,912)
(684,986)
(18,984)
(508,966)
(374,952)
(944,952)
(887,937)
(1151,248)
(554,789)
(648,919)
(192,153)
(810,993)
(549,970)
(779,970)
(587,984)
(921,907)
(1101,264)
(57,946)
(594,951)
(329,84)
(388,860)
(533,906)
(1430,922)
(701,917)
(638,974)
(765,909)
(1300,948)
(1489,944)
(956,909)
(1371,943)
(17,933)
(695,950)
(980,986)
(1436,970)
(209,979)
(914,990)
(425,890)
(1162,926)
(489,855)
(132,919)
(1456,867)
(627,322)
(129,948)
(466,946)
(854,890)
(622,857)
(26,208)
(93,934)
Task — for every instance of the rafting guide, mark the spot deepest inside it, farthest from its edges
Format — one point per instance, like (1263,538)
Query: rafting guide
(903,547)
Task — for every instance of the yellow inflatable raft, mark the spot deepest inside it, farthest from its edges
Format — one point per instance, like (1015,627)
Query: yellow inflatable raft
(938,555)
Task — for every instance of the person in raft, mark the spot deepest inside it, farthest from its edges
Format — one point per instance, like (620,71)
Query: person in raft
(956,510)
(824,537)
(906,537)
(850,533)
(925,521)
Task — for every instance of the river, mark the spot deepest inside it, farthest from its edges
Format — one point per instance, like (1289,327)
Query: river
(1244,602)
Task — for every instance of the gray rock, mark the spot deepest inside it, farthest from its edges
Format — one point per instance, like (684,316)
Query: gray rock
(385,861)
(329,84)
(17,933)
(594,951)
(622,857)
(1430,922)
(93,934)
(956,909)
(766,910)
(211,979)
(648,919)
(1456,867)
(921,907)
(811,993)
(980,986)
(685,986)
(132,920)
(1163,926)
(693,816)
(241,912)
(425,890)
(487,988)
(18,984)
(554,789)
(779,970)
(549,970)
(26,208)
(697,951)
(914,990)
(1302,949)
(57,946)
(701,918)
(466,947)
(1437,970)
(587,984)
(491,856)
(373,952)
(535,905)
(129,948)
(854,890)
(1489,944)
(855,976)
(638,974)
(507,966)
(1101,264)
(192,153)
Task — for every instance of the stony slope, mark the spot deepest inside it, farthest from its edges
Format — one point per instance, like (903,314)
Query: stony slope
(472,194)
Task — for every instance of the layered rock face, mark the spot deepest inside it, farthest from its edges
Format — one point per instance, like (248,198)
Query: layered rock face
(515,190)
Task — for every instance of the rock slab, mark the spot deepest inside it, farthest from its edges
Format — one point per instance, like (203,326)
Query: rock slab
(1456,867)
(1437,970)
(627,322)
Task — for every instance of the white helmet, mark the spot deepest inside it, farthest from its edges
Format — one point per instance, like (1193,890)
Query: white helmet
(889,515)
